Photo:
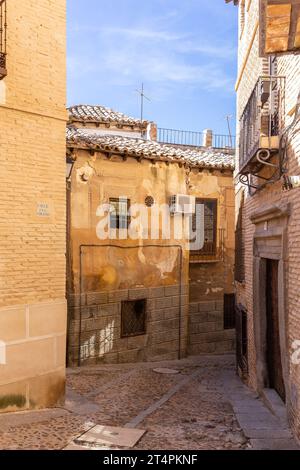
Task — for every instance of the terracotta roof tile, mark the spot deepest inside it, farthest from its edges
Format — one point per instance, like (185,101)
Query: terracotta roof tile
(87,113)
(138,147)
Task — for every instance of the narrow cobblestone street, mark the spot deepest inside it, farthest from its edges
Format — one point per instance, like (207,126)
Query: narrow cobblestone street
(201,407)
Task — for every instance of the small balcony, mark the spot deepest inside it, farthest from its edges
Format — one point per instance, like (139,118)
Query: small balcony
(260,124)
(3,28)
(212,251)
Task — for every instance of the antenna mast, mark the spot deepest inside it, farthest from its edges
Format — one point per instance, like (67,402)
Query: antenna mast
(228,117)
(143,97)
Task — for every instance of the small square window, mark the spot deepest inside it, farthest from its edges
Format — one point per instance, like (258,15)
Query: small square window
(119,213)
(133,318)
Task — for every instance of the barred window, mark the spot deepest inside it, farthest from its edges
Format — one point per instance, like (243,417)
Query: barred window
(119,213)
(133,315)
(242,338)
(239,246)
(3,28)
(210,227)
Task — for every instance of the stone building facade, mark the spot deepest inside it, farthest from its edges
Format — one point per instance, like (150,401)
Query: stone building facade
(268,213)
(146,298)
(33,207)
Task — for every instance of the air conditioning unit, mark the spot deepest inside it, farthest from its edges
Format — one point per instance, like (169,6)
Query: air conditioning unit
(182,204)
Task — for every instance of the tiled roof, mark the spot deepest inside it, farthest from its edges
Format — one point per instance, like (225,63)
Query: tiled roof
(140,148)
(87,113)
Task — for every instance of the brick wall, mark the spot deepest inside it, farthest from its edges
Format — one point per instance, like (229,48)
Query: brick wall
(32,243)
(249,71)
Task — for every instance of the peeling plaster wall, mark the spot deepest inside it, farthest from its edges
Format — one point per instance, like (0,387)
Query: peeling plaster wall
(209,281)
(149,271)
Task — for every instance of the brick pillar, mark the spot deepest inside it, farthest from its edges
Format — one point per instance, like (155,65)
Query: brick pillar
(207,138)
(152,131)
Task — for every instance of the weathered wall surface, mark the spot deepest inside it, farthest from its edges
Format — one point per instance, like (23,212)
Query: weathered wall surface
(210,280)
(250,68)
(32,206)
(110,275)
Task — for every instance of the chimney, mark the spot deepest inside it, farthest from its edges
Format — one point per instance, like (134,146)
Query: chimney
(152,131)
(207,138)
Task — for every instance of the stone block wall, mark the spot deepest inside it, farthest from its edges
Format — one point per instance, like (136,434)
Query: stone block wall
(206,329)
(100,339)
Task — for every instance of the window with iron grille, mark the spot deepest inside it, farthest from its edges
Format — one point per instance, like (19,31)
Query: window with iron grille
(210,227)
(3,28)
(229,311)
(119,213)
(239,270)
(133,319)
(242,338)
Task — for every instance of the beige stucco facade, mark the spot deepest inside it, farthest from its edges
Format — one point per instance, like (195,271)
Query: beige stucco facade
(184,313)
(270,223)
(33,207)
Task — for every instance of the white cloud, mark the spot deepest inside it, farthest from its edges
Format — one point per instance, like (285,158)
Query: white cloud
(161,57)
(143,33)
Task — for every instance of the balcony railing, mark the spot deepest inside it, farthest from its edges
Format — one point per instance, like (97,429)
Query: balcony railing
(3,27)
(211,251)
(194,139)
(261,121)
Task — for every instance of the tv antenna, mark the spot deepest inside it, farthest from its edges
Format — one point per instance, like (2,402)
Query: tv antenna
(228,119)
(143,97)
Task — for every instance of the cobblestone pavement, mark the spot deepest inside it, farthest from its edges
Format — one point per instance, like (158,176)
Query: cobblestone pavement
(189,410)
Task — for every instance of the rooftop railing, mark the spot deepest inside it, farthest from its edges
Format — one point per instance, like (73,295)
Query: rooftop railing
(194,139)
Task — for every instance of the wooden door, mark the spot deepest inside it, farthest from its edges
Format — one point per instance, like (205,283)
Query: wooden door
(274,363)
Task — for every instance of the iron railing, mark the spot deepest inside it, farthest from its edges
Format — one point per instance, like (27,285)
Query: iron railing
(241,319)
(211,251)
(262,117)
(193,139)
(3,38)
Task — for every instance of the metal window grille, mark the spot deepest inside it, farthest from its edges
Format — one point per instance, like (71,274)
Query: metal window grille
(242,339)
(133,318)
(210,227)
(229,311)
(119,213)
(239,269)
(3,29)
(262,116)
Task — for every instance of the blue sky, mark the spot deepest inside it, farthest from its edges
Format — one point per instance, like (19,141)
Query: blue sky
(183,50)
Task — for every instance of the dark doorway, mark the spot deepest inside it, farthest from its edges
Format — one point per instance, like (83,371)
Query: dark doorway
(274,363)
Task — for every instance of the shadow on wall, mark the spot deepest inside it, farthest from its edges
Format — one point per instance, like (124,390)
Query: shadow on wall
(131,305)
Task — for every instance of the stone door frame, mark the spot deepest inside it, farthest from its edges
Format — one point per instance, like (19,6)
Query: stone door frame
(270,224)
